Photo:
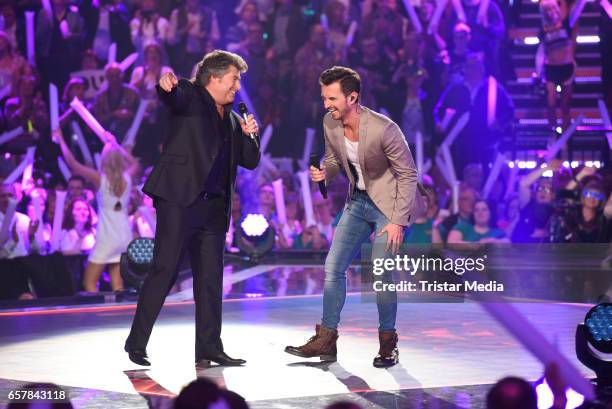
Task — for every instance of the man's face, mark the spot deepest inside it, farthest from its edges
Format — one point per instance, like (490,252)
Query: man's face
(6,193)
(75,188)
(223,89)
(334,101)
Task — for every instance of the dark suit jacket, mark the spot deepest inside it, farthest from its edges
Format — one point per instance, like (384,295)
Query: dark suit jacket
(191,145)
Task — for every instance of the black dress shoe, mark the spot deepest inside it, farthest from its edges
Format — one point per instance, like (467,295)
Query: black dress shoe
(221,358)
(138,356)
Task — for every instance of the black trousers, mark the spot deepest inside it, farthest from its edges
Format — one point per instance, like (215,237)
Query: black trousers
(200,230)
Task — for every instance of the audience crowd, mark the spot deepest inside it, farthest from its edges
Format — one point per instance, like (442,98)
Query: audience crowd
(425,73)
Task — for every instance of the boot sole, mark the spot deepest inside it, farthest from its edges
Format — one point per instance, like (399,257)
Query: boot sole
(207,363)
(326,358)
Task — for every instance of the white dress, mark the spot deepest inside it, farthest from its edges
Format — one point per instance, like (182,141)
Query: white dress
(113,230)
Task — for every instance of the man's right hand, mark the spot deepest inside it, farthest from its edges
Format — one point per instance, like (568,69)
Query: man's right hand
(317,175)
(168,81)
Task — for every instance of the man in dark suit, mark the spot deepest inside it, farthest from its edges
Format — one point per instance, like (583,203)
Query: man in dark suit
(192,187)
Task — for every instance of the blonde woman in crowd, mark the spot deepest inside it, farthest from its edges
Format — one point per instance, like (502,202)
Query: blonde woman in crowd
(113,184)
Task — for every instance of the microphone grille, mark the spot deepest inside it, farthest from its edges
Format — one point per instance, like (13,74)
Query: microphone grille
(242,108)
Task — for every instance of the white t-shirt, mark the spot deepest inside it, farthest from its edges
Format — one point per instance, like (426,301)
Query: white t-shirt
(352,149)
(12,249)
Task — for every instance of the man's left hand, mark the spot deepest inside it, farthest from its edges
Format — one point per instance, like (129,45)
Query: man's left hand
(250,126)
(395,236)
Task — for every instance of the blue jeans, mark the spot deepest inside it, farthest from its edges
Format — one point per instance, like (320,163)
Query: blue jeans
(359,220)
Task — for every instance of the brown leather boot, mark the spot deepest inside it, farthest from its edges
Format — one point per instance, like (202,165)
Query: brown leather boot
(388,354)
(322,344)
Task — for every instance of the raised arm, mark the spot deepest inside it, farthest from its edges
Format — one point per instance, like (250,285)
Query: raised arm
(530,178)
(88,173)
(174,93)
(584,172)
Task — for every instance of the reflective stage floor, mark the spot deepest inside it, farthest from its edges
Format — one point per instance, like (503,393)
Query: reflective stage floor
(450,353)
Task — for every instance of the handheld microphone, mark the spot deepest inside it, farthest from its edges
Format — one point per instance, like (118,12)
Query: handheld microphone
(314,161)
(244,112)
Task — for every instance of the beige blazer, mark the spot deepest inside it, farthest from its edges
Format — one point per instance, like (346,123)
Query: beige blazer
(389,172)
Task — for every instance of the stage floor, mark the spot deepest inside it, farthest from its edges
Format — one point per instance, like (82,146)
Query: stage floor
(450,353)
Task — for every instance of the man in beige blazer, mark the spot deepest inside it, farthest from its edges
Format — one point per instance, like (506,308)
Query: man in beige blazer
(383,198)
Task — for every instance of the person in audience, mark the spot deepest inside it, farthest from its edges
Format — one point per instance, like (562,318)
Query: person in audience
(421,231)
(511,215)
(536,197)
(11,66)
(141,226)
(192,28)
(76,187)
(10,28)
(462,36)
(322,209)
(27,109)
(117,103)
(78,233)
(557,44)
(237,34)
(288,233)
(40,238)
(145,77)
(89,60)
(589,223)
(113,186)
(386,24)
(60,40)
(512,393)
(311,238)
(337,20)
(14,242)
(266,204)
(479,139)
(480,229)
(111,24)
(443,226)
(488,31)
(202,394)
(148,26)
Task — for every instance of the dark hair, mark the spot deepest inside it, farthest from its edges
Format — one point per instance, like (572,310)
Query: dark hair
(215,64)
(492,212)
(234,400)
(69,222)
(503,395)
(349,80)
(343,405)
(198,394)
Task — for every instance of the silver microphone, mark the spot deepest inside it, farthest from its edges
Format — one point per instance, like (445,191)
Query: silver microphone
(245,115)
